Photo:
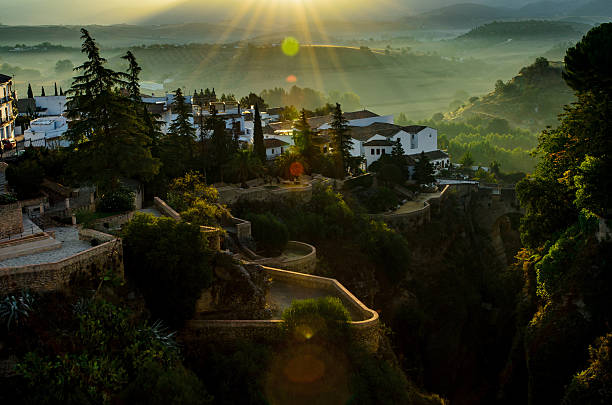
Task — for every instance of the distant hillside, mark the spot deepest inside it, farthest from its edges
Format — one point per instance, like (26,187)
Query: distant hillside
(532,30)
(466,15)
(532,100)
(595,8)
(119,35)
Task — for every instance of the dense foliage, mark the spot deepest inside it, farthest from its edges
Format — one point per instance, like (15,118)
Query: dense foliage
(270,234)
(169,262)
(118,200)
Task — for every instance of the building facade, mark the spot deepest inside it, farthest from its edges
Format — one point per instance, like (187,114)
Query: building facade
(7,118)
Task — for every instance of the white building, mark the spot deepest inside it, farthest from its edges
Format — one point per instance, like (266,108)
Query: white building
(374,140)
(355,119)
(7,119)
(47,131)
(275,148)
(50,106)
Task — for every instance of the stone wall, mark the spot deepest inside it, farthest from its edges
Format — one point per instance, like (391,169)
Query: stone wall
(231,194)
(112,223)
(11,220)
(365,330)
(165,209)
(304,264)
(58,275)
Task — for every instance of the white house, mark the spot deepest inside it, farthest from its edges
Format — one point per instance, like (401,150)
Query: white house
(50,105)
(7,119)
(376,148)
(376,139)
(46,131)
(275,148)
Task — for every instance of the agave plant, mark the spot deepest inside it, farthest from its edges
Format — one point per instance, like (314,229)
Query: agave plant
(14,308)
(159,332)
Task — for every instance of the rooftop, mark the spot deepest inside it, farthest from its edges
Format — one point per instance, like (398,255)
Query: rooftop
(377,128)
(274,143)
(379,142)
(414,129)
(5,78)
(316,122)
(433,155)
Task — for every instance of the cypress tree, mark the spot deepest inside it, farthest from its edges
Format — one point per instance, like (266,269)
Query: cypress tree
(42,92)
(132,77)
(181,125)
(61,91)
(30,92)
(423,171)
(341,141)
(259,147)
(55,84)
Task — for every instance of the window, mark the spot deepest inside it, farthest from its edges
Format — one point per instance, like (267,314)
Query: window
(383,151)
(282,149)
(273,151)
(378,151)
(372,151)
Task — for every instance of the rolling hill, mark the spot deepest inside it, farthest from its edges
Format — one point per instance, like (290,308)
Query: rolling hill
(533,99)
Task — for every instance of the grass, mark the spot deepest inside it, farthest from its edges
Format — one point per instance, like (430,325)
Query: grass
(88,217)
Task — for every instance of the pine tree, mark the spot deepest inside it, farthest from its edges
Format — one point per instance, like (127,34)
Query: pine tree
(259,147)
(341,141)
(30,92)
(42,92)
(132,77)
(423,171)
(56,94)
(106,131)
(302,138)
(181,125)
(398,150)
(223,147)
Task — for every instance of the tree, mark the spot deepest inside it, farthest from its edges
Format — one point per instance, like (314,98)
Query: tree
(258,139)
(423,171)
(253,100)
(341,141)
(222,144)
(25,178)
(56,94)
(466,160)
(303,139)
(169,262)
(181,126)
(30,92)
(587,64)
(61,91)
(397,153)
(269,232)
(401,119)
(245,165)
(132,76)
(106,130)
(42,91)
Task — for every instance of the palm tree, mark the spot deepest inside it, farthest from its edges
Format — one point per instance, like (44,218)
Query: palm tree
(245,165)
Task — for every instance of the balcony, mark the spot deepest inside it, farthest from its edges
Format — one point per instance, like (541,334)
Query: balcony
(6,120)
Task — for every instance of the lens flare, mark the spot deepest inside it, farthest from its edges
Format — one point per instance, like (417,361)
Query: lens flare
(290,46)
(296,169)
(291,79)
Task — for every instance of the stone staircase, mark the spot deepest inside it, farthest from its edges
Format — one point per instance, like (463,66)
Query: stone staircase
(37,243)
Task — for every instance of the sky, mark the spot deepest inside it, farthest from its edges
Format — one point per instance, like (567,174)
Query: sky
(53,12)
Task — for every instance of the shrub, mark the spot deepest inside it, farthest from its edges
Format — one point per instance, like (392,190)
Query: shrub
(169,262)
(203,213)
(15,308)
(185,191)
(379,199)
(25,178)
(120,200)
(270,233)
(6,199)
(324,319)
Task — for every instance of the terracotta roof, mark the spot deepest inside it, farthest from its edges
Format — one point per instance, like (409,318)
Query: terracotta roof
(274,143)
(414,129)
(377,128)
(316,122)
(379,142)
(5,78)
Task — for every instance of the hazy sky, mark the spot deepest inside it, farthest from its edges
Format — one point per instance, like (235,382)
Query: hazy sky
(15,12)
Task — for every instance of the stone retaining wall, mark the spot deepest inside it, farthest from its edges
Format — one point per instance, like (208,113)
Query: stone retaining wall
(365,330)
(11,220)
(305,264)
(58,275)
(231,194)
(114,222)
(165,209)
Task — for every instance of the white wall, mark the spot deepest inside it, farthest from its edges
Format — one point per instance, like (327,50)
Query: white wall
(273,153)
(46,128)
(378,152)
(424,141)
(55,105)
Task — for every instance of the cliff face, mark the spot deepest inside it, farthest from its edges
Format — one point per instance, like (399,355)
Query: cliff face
(453,319)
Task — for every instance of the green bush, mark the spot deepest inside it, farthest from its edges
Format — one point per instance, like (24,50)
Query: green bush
(379,199)
(120,200)
(323,319)
(169,262)
(25,178)
(6,199)
(269,232)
